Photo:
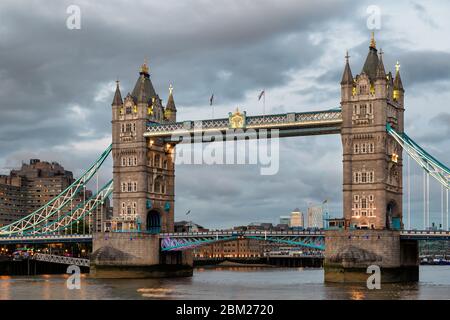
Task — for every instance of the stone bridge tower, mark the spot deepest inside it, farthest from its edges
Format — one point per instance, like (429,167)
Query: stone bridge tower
(143,170)
(372,180)
(372,159)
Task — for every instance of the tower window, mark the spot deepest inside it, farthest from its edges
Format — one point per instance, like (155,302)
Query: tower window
(363,148)
(363,203)
(128,110)
(363,110)
(356,148)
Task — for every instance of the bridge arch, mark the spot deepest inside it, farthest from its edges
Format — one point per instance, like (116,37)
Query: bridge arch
(153,221)
(392,215)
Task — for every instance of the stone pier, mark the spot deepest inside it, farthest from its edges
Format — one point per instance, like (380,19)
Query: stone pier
(348,253)
(136,255)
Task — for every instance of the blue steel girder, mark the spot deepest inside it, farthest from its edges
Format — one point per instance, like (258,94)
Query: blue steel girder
(308,242)
(179,244)
(189,242)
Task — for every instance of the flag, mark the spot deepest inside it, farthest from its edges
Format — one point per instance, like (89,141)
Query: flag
(325,201)
(263,93)
(211,100)
(188,212)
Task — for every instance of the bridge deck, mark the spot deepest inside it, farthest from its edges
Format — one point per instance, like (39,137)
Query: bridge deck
(77,238)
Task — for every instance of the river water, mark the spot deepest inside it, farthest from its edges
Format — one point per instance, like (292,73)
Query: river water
(228,283)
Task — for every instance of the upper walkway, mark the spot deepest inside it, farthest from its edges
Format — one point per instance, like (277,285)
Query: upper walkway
(288,124)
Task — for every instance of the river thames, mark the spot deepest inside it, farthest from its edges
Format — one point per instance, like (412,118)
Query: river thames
(227,283)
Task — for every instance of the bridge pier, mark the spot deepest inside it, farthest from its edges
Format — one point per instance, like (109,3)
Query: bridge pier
(349,253)
(136,255)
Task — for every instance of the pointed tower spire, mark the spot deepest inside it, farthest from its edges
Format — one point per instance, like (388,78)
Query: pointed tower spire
(347,77)
(373,43)
(381,72)
(170,101)
(143,91)
(398,85)
(170,113)
(117,101)
(371,63)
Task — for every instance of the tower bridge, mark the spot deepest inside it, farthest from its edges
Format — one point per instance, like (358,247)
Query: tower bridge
(139,240)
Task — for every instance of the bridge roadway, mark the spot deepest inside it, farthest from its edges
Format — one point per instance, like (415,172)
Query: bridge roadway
(78,238)
(404,234)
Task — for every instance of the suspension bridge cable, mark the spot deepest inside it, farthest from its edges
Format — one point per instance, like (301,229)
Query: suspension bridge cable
(442,209)
(408,176)
(424,202)
(428,200)
(447,210)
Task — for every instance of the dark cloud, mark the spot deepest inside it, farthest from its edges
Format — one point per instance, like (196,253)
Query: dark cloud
(57,85)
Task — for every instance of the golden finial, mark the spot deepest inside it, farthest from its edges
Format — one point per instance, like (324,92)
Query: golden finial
(373,44)
(397,67)
(144,67)
(170,89)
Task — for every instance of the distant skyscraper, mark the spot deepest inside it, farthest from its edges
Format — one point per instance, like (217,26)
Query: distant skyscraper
(315,217)
(296,220)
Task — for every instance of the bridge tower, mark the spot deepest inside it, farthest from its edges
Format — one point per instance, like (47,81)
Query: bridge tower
(143,197)
(372,178)
(143,170)
(372,159)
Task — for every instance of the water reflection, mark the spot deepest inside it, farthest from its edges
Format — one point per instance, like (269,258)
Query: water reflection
(227,283)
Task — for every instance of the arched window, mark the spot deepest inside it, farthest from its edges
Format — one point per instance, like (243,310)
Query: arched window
(157,162)
(135,161)
(134,186)
(129,187)
(356,148)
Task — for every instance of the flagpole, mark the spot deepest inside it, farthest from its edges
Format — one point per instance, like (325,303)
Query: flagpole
(264,103)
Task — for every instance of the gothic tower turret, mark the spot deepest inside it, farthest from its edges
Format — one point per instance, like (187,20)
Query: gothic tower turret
(170,113)
(372,160)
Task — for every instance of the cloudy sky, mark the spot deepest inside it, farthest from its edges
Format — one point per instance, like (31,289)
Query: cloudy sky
(56,86)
